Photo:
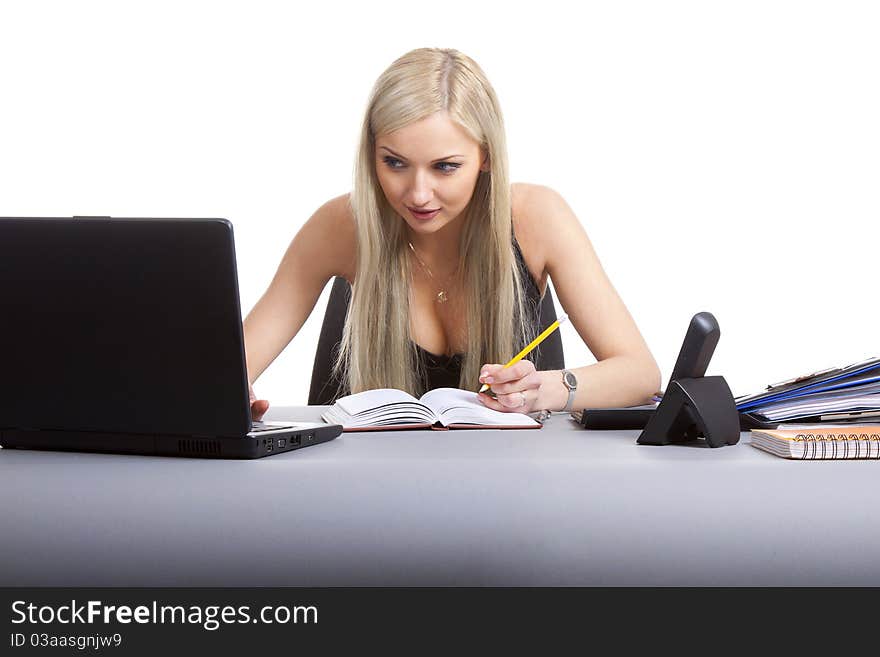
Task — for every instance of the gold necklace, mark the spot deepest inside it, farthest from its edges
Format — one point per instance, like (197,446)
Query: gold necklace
(442,296)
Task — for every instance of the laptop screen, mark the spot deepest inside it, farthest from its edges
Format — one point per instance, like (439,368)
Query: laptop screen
(124,325)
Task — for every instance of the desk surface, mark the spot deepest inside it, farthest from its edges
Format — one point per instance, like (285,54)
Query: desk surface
(556,507)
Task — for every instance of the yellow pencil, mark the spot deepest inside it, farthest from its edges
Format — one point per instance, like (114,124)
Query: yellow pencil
(534,343)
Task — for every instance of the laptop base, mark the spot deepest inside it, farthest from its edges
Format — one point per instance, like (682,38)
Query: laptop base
(252,446)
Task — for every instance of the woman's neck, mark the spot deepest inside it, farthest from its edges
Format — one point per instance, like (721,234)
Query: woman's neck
(439,250)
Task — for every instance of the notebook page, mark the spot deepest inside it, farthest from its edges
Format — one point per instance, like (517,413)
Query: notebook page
(399,414)
(454,406)
(374,399)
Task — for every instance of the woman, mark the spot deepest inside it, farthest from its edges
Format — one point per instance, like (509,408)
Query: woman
(447,260)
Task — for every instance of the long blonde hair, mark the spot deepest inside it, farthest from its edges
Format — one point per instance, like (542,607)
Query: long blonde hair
(377,350)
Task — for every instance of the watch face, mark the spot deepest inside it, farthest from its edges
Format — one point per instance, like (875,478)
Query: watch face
(570,379)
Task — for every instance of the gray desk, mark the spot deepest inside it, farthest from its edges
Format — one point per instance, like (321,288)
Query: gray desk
(560,506)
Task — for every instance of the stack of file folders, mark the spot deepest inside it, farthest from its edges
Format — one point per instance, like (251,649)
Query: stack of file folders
(838,395)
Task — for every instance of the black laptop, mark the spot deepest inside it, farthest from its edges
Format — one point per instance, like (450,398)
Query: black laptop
(125,335)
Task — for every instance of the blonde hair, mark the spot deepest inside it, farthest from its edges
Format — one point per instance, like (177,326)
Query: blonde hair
(377,350)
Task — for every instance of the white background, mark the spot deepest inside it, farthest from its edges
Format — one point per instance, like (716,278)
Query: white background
(722,156)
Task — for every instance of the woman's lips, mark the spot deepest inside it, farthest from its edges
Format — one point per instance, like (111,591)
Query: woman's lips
(423,215)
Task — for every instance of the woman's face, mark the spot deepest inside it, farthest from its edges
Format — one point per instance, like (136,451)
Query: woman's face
(431,165)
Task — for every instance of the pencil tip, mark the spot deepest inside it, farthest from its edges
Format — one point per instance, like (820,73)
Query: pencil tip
(484,388)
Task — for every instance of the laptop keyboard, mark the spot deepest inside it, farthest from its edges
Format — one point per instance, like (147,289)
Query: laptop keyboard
(257,426)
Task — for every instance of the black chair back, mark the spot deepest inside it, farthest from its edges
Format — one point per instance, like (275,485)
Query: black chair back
(325,389)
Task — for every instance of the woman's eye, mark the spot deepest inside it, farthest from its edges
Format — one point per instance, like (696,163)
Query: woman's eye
(444,167)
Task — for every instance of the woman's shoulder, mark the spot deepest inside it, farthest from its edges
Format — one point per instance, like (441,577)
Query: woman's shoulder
(533,205)
(534,209)
(339,213)
(335,224)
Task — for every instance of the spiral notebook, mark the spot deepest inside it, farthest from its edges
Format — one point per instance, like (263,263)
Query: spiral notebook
(818,443)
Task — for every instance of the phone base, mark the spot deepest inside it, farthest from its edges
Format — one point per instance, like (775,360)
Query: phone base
(633,417)
(691,409)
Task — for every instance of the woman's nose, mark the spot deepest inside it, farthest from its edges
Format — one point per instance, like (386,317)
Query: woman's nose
(421,192)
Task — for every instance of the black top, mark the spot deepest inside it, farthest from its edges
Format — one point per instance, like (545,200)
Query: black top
(441,371)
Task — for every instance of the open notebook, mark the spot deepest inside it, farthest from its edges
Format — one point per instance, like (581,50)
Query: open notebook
(442,408)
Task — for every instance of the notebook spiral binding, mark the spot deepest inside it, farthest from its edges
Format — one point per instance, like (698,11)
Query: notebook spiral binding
(832,441)
(838,436)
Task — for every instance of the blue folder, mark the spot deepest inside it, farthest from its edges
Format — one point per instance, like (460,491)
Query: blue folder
(858,374)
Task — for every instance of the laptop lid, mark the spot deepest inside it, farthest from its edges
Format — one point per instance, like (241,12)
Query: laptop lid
(121,325)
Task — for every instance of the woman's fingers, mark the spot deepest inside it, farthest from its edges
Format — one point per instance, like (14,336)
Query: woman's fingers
(529,382)
(514,400)
(514,387)
(517,402)
(258,409)
(497,374)
(258,406)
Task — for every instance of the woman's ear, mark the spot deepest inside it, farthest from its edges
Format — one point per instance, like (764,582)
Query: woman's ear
(485,166)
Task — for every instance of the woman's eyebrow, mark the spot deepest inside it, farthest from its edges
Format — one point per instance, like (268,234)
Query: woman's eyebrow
(403,158)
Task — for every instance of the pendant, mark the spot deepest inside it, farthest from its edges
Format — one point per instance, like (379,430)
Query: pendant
(442,296)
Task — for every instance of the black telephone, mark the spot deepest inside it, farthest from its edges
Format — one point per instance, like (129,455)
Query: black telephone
(694,405)
(693,360)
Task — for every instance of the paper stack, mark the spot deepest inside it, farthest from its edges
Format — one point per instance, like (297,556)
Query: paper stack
(839,394)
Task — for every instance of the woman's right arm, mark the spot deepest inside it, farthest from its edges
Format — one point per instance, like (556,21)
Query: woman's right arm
(324,247)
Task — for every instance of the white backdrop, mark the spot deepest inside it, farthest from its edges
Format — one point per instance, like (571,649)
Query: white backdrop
(722,156)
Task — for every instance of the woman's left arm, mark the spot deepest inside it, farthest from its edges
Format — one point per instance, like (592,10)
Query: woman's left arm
(626,373)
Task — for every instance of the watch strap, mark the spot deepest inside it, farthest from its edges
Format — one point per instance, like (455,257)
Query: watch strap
(571,390)
(570,401)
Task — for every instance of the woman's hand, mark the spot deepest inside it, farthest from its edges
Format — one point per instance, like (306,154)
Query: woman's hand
(517,389)
(258,406)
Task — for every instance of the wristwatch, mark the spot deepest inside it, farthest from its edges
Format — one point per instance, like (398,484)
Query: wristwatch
(570,381)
